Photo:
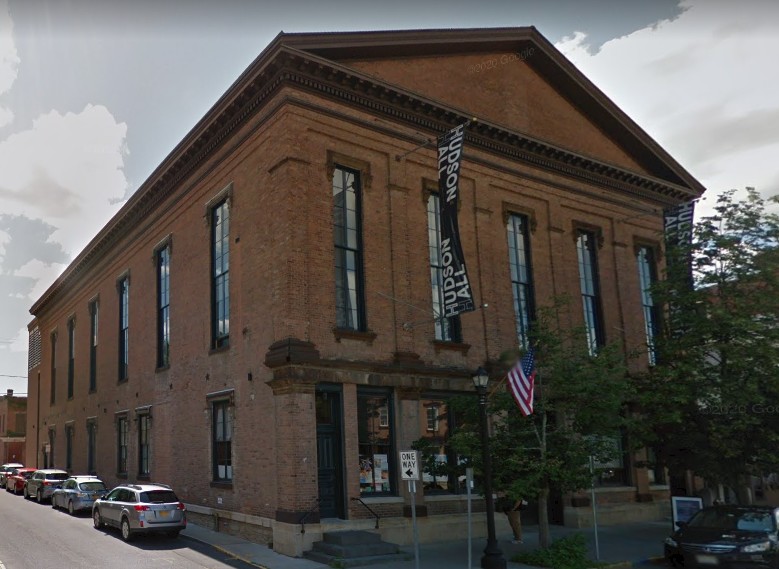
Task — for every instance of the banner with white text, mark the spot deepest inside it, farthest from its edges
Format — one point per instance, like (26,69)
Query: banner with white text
(457,289)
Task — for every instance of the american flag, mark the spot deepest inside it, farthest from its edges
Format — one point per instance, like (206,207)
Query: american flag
(521,380)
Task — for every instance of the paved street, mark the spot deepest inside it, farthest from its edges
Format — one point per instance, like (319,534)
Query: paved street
(38,537)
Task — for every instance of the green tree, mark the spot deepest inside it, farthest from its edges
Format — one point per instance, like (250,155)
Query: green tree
(711,404)
(578,408)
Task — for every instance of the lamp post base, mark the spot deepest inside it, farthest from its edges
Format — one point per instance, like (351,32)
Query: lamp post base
(493,558)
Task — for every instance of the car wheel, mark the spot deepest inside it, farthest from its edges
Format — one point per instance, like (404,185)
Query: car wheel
(39,496)
(26,495)
(96,520)
(54,502)
(71,511)
(16,491)
(173,533)
(126,533)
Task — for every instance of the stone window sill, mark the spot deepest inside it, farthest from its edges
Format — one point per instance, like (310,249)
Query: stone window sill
(363,336)
(451,347)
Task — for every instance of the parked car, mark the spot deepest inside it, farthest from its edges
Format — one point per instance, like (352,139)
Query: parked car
(14,482)
(140,508)
(6,468)
(78,493)
(42,483)
(726,537)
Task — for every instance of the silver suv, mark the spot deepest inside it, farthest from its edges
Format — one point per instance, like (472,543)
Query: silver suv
(140,508)
(42,483)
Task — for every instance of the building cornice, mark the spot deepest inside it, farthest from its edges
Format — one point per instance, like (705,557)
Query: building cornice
(281,65)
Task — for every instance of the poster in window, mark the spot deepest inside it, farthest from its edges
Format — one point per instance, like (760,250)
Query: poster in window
(366,471)
(380,473)
(683,508)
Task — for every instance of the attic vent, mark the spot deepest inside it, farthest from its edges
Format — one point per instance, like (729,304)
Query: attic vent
(34,352)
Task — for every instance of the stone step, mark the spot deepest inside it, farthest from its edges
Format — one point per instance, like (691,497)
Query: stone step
(355,561)
(351,537)
(356,550)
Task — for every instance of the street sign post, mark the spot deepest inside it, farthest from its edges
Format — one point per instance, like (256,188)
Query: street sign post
(409,465)
(468,486)
(409,471)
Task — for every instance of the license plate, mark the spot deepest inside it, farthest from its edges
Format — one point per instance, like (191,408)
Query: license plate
(706,559)
(164,513)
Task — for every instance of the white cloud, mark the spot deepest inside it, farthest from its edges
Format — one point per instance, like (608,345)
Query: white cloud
(68,170)
(9,60)
(703,85)
(43,273)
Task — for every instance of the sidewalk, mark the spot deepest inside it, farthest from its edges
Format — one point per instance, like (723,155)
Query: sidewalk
(635,542)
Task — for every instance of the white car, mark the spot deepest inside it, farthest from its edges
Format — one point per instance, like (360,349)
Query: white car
(5,470)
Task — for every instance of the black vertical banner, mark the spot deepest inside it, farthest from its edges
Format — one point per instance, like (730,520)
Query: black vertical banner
(457,290)
(678,238)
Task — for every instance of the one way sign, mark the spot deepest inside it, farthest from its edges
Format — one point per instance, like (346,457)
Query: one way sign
(409,466)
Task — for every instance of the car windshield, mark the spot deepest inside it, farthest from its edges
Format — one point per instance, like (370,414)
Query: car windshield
(92,486)
(26,475)
(158,497)
(57,476)
(734,519)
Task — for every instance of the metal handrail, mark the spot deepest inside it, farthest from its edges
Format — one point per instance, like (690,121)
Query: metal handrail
(308,513)
(367,507)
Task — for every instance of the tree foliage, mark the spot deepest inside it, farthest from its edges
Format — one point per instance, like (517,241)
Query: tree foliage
(578,409)
(711,404)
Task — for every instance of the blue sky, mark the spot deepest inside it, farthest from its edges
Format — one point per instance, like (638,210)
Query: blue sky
(93,96)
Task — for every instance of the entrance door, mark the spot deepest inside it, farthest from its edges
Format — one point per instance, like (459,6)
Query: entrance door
(330,453)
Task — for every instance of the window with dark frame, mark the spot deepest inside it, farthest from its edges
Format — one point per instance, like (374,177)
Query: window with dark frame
(442,470)
(93,325)
(521,276)
(613,472)
(91,445)
(71,355)
(124,328)
(432,418)
(375,442)
(347,235)
(220,282)
(446,329)
(590,290)
(121,445)
(163,307)
(144,428)
(68,447)
(53,387)
(647,275)
(222,440)
(52,437)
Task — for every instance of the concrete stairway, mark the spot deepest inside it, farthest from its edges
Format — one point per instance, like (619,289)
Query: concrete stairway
(354,549)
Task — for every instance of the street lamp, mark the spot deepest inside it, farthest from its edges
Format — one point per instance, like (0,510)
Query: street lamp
(493,556)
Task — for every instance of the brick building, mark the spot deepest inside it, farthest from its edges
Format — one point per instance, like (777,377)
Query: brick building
(256,325)
(13,423)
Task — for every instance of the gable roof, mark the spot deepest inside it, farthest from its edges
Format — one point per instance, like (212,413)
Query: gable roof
(547,61)
(318,62)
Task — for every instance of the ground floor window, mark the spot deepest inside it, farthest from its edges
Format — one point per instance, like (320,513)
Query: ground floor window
(375,435)
(91,446)
(655,471)
(222,441)
(68,448)
(441,468)
(613,472)
(121,445)
(144,426)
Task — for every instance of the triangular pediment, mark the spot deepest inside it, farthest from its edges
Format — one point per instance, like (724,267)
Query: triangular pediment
(511,77)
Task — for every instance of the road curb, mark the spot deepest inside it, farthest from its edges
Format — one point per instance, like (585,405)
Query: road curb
(226,552)
(659,560)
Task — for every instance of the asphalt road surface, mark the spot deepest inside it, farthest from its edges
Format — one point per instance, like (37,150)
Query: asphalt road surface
(34,536)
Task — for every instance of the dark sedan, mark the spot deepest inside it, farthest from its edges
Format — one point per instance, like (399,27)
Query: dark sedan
(727,537)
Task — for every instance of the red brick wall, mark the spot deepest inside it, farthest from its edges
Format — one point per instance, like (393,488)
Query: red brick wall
(281,276)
